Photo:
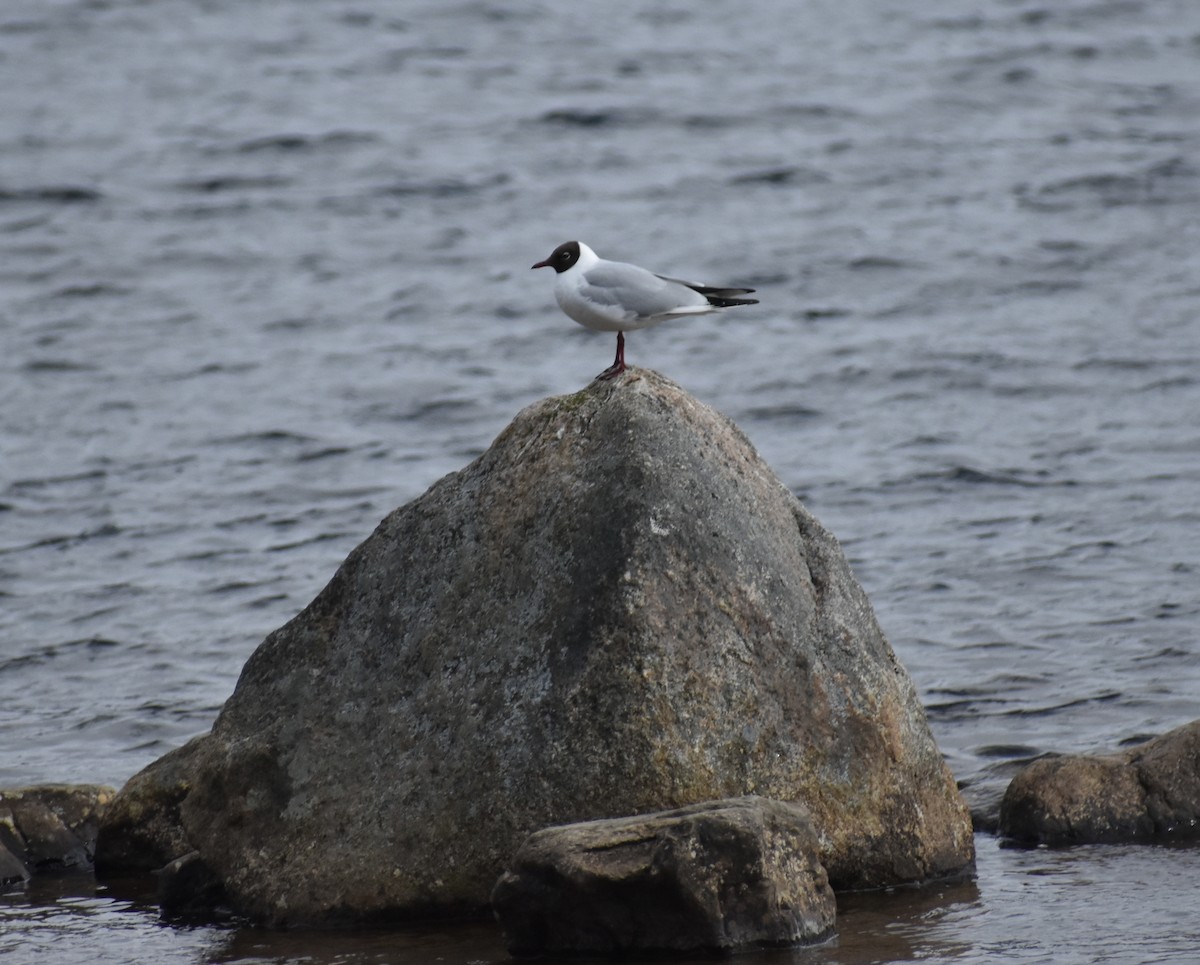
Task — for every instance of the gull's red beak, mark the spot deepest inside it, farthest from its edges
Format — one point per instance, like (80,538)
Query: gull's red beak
(543,264)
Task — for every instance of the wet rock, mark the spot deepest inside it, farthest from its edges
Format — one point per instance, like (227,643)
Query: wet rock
(617,609)
(189,888)
(142,830)
(721,876)
(1148,793)
(49,828)
(12,869)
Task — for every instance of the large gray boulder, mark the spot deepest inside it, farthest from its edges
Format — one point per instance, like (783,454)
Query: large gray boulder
(722,876)
(1149,793)
(617,609)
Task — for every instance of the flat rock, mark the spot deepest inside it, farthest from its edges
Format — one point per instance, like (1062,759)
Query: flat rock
(721,876)
(49,828)
(617,609)
(1148,793)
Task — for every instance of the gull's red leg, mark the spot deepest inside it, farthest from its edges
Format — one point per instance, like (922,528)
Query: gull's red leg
(618,365)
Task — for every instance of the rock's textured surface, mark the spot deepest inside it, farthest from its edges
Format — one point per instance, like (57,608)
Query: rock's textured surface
(617,609)
(142,830)
(1148,793)
(12,868)
(49,827)
(721,876)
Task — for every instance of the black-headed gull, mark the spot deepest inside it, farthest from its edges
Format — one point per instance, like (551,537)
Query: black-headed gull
(611,296)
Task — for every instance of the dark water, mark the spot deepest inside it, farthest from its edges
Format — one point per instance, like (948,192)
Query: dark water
(264,277)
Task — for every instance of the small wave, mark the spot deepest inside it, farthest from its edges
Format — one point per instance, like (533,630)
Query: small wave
(307,541)
(965,709)
(57,365)
(73,539)
(442,411)
(303,142)
(880,262)
(969,21)
(1167,182)
(294,324)
(270,436)
(1040,287)
(442,188)
(1007,751)
(168,462)
(577,117)
(231,182)
(781,176)
(1166,653)
(979,477)
(789,114)
(95,643)
(43,481)
(816,314)
(786,410)
(1048,710)
(1159,385)
(1119,364)
(325,453)
(971,475)
(91,291)
(806,109)
(214,368)
(598,117)
(51,194)
(236,586)
(263,602)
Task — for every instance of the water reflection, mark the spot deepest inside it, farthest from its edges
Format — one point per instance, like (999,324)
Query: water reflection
(903,924)
(477,943)
(1023,906)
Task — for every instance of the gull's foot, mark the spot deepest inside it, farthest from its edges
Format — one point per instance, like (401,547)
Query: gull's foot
(611,372)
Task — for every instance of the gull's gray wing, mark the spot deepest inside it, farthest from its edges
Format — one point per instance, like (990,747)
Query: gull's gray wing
(640,293)
(717,295)
(708,289)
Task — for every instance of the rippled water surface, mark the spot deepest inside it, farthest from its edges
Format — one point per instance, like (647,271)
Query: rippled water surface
(264,277)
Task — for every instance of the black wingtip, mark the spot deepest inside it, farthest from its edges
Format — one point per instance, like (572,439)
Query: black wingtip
(719,292)
(724,301)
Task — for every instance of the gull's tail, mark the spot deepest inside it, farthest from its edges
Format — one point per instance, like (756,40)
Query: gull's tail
(718,297)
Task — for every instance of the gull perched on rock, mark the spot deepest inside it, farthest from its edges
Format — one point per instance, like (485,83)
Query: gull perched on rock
(612,296)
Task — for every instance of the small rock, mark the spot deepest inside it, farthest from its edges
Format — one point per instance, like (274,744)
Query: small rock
(12,868)
(721,876)
(188,888)
(49,828)
(1148,793)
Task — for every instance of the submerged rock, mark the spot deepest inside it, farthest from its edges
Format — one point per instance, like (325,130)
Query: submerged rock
(617,609)
(188,888)
(721,876)
(1148,793)
(49,828)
